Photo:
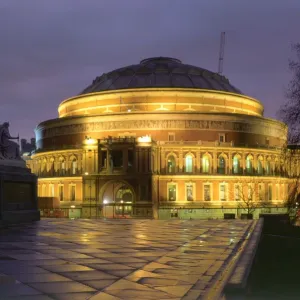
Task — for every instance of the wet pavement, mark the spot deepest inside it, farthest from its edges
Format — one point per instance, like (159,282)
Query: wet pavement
(116,259)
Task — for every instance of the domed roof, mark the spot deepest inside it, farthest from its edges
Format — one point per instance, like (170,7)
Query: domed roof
(160,72)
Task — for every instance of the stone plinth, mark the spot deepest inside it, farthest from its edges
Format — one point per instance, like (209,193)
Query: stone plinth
(18,193)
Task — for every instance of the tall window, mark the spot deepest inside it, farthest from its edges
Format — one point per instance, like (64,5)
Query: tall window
(62,167)
(268,167)
(236,165)
(171,137)
(261,192)
(259,167)
(237,192)
(72,193)
(221,137)
(52,167)
(250,192)
(189,191)
(207,192)
(172,192)
(222,190)
(270,192)
(61,192)
(189,163)
(222,165)
(74,166)
(171,164)
(249,167)
(205,164)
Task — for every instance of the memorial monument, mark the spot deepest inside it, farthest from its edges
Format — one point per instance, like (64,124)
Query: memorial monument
(18,186)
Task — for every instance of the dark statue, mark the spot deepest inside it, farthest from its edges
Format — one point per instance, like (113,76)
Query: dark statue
(8,149)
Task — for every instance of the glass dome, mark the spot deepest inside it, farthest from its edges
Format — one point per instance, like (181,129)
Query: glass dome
(160,72)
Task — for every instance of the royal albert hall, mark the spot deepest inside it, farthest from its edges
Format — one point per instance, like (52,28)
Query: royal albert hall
(160,139)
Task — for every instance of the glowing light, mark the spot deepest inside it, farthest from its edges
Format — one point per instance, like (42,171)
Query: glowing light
(73,206)
(86,173)
(105,201)
(129,110)
(90,141)
(121,201)
(144,139)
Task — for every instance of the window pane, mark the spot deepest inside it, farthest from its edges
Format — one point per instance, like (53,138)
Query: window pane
(205,164)
(260,192)
(188,163)
(270,192)
(236,165)
(207,192)
(223,192)
(189,192)
(61,193)
(237,191)
(172,192)
(171,164)
(259,167)
(72,193)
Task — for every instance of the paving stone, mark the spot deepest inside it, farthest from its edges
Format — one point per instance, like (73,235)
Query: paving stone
(17,289)
(67,268)
(99,284)
(88,275)
(178,290)
(71,296)
(116,259)
(44,277)
(104,296)
(61,287)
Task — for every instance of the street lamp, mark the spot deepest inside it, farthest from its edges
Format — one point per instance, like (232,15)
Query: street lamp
(104,203)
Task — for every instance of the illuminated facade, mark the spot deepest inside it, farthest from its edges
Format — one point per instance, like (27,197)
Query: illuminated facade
(160,139)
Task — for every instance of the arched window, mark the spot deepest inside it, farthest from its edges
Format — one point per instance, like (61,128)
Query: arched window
(189,163)
(221,165)
(259,167)
(171,164)
(249,165)
(62,166)
(268,167)
(205,164)
(236,165)
(44,166)
(74,166)
(52,166)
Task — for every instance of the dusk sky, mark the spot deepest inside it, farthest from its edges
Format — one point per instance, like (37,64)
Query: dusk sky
(52,50)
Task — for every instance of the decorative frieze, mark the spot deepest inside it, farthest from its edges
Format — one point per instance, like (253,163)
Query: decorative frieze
(258,128)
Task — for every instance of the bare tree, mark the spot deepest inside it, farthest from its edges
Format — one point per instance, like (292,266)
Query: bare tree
(248,197)
(290,111)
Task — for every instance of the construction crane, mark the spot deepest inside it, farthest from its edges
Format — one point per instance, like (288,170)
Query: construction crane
(221,54)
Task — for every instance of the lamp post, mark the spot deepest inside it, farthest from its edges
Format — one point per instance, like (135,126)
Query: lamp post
(104,205)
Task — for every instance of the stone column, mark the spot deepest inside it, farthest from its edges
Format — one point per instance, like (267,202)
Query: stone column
(243,162)
(198,162)
(96,167)
(214,163)
(163,161)
(158,160)
(255,158)
(181,161)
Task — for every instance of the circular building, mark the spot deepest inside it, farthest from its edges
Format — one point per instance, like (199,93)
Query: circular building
(161,139)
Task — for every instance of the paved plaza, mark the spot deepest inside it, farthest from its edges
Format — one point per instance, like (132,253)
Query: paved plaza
(116,259)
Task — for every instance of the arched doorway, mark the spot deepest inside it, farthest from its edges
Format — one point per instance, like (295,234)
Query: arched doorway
(117,200)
